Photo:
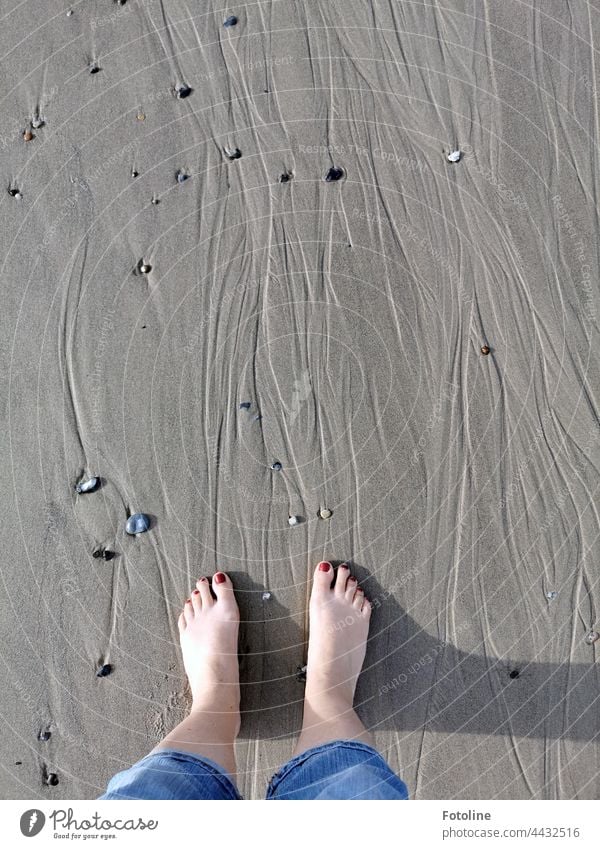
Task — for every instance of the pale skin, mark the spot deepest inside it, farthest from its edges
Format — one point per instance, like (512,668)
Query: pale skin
(339,616)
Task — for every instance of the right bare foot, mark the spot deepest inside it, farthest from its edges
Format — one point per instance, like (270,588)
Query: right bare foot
(339,626)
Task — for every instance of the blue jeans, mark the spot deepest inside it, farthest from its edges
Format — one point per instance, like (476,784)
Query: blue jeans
(343,769)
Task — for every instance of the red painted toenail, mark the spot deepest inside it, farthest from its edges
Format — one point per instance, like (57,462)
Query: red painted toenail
(359,590)
(196,592)
(202,580)
(220,578)
(188,601)
(352,578)
(324,567)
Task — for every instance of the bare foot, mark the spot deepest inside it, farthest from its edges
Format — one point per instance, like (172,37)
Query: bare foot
(208,630)
(339,626)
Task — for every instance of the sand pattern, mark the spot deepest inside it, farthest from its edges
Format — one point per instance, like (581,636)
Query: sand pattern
(243,281)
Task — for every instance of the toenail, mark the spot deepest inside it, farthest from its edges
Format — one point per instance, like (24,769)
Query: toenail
(343,566)
(202,580)
(324,567)
(352,578)
(359,590)
(188,600)
(220,578)
(196,592)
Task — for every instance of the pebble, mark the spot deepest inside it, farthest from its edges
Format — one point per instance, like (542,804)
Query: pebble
(90,485)
(144,267)
(52,779)
(286,177)
(27,135)
(139,523)
(591,637)
(94,68)
(454,156)
(140,116)
(485,350)
(515,673)
(266,596)
(233,153)
(276,466)
(155,200)
(44,736)
(183,91)
(257,417)
(551,595)
(294,520)
(181,176)
(104,554)
(15,193)
(325,513)
(231,21)
(301,673)
(134,173)
(334,174)
(104,670)
(69,12)
(37,122)
(245,405)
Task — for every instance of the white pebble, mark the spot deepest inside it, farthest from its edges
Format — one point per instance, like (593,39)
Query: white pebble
(266,596)
(454,156)
(294,520)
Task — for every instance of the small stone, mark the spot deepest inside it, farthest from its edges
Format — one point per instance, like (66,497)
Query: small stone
(294,520)
(325,513)
(182,176)
(591,637)
(144,267)
(485,350)
(257,417)
(266,596)
(15,193)
(27,135)
(231,21)
(94,68)
(104,670)
(233,153)
(551,595)
(104,554)
(44,736)
(334,174)
(139,523)
(69,12)
(37,122)
(140,116)
(276,466)
(301,673)
(52,779)
(134,173)
(454,156)
(245,405)
(183,91)
(89,485)
(286,177)
(155,200)
(514,674)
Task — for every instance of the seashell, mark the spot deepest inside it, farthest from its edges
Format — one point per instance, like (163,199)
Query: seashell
(325,513)
(27,135)
(233,153)
(551,595)
(334,174)
(69,12)
(183,91)
(266,596)
(182,176)
(454,156)
(140,116)
(94,68)
(276,466)
(591,637)
(104,670)
(90,485)
(144,267)
(37,122)
(139,523)
(294,520)
(44,736)
(231,21)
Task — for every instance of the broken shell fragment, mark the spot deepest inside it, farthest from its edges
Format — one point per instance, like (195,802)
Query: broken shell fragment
(293,520)
(233,153)
(90,485)
(37,122)
(44,736)
(454,156)
(591,637)
(140,116)
(181,176)
(103,553)
(134,173)
(325,513)
(144,267)
(551,595)
(94,68)
(276,466)
(266,596)
(139,523)
(334,174)
(15,193)
(104,670)
(183,91)
(27,135)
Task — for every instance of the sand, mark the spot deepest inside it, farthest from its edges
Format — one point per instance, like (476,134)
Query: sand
(350,315)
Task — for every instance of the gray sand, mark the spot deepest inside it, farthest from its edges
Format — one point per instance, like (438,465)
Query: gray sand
(350,315)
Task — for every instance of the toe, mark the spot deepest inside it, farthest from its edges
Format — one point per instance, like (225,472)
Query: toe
(367,608)
(341,579)
(196,601)
(181,623)
(359,599)
(188,611)
(351,588)
(203,588)
(223,588)
(323,577)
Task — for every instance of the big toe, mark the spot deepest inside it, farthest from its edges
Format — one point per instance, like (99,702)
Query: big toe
(323,577)
(223,589)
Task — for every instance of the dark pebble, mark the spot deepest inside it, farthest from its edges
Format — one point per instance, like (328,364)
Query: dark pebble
(139,523)
(94,68)
(301,673)
(103,554)
(334,174)
(18,763)
(183,91)
(181,176)
(485,350)
(286,177)
(233,153)
(515,673)
(52,779)
(245,405)
(44,736)
(27,135)
(276,466)
(15,193)
(104,670)
(231,21)
(134,173)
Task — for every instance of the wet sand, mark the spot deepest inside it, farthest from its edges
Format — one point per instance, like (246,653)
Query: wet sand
(335,327)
